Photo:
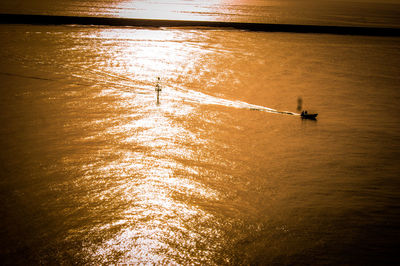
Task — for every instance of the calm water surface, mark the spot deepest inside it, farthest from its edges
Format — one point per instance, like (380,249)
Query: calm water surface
(94,171)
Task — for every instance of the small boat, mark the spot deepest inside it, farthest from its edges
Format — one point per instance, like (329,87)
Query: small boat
(308,116)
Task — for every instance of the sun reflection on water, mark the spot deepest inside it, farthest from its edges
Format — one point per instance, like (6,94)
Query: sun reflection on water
(147,182)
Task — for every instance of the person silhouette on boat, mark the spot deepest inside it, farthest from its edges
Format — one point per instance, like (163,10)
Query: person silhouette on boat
(306,115)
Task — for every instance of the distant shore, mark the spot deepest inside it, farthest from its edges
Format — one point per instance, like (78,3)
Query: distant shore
(265,27)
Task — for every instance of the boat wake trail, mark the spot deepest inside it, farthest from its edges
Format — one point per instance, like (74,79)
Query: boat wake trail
(122,84)
(202,98)
(176,93)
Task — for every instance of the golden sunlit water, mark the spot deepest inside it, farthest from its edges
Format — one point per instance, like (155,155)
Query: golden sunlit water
(376,13)
(222,170)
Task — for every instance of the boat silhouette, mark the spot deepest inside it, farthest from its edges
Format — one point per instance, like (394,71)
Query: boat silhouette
(305,115)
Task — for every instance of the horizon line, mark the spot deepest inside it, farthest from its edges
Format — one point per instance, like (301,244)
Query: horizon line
(156,23)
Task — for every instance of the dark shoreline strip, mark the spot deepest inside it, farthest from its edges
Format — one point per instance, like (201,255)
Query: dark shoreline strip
(65,20)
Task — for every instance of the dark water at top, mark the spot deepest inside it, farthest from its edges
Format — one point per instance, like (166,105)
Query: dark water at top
(94,171)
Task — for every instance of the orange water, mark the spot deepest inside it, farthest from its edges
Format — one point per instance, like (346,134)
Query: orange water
(375,13)
(94,171)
